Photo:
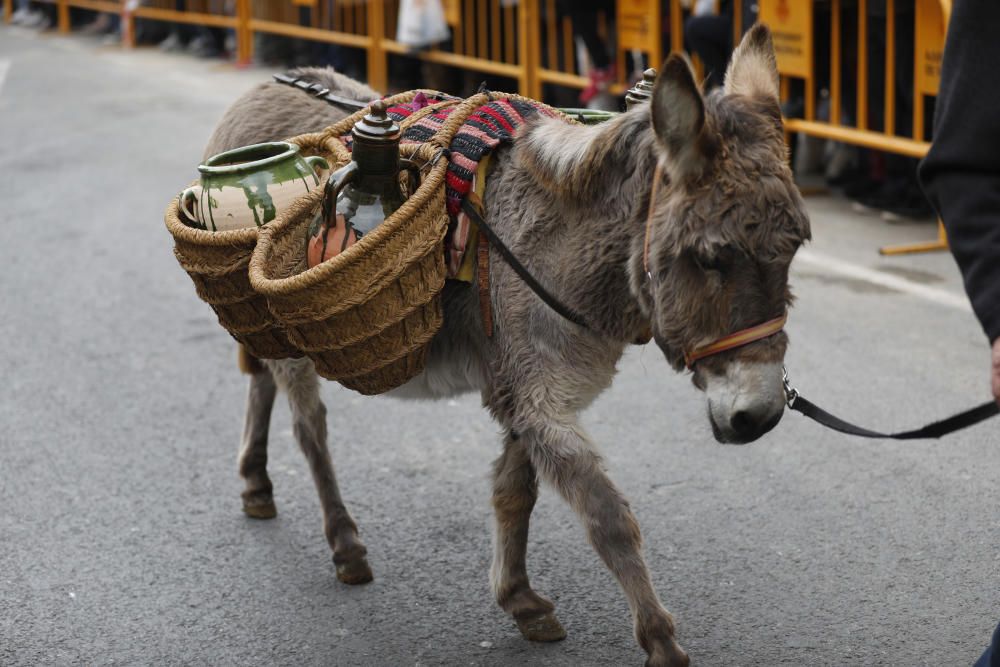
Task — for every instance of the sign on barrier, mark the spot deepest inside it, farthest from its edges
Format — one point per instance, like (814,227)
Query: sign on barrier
(639,26)
(453,12)
(791,24)
(928,46)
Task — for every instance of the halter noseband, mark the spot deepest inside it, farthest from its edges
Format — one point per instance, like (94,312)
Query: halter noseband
(729,342)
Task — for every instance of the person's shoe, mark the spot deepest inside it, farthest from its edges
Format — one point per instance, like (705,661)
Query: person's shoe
(98,26)
(197,43)
(600,80)
(43,22)
(207,50)
(35,20)
(18,17)
(860,186)
(171,43)
(913,207)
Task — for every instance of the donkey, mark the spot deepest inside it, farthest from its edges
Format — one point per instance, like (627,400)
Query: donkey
(702,252)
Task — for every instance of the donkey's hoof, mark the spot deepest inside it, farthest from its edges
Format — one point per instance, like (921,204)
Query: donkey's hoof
(544,628)
(260,510)
(671,655)
(355,572)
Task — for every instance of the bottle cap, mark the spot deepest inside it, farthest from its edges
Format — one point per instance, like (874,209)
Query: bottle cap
(643,91)
(377,125)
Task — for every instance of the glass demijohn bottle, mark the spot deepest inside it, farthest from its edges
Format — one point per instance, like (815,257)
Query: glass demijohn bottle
(363,193)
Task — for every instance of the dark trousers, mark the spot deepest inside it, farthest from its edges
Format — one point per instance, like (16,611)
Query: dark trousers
(711,37)
(991,657)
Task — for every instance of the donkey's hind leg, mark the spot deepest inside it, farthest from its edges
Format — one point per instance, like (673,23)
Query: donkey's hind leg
(515,489)
(258,501)
(298,378)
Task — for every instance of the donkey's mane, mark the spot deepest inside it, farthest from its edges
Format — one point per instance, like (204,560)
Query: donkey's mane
(585,164)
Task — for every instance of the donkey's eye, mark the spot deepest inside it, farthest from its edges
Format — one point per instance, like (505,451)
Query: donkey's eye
(718,261)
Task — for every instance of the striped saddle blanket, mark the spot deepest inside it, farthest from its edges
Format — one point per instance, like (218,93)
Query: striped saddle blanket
(489,126)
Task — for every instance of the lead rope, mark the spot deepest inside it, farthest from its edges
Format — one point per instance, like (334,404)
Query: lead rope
(797,402)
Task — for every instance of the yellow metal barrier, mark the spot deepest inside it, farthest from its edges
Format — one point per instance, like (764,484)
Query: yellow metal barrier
(352,23)
(529,41)
(792,24)
(487,37)
(196,12)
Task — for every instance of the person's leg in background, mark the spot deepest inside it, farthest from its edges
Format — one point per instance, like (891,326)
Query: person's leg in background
(35,15)
(711,37)
(991,656)
(180,33)
(584,15)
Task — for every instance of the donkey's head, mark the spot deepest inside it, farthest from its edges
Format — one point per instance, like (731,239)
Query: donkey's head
(724,222)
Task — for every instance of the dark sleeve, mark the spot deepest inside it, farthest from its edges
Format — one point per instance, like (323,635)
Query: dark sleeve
(961,173)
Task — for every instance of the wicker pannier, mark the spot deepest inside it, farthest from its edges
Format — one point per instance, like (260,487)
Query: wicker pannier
(366,316)
(217,263)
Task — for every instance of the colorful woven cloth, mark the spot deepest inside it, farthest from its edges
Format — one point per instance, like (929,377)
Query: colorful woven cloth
(491,125)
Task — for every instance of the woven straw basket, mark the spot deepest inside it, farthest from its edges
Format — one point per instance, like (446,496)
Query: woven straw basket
(217,263)
(366,316)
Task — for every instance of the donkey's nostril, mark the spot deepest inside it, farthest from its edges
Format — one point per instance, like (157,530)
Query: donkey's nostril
(744,424)
(749,426)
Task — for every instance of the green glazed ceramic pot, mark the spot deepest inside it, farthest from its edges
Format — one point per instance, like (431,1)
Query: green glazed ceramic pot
(248,186)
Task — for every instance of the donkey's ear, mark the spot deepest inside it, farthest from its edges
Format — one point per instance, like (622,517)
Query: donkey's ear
(753,70)
(678,113)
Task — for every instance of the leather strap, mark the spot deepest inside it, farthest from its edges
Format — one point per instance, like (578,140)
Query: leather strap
(934,430)
(734,340)
(657,177)
(485,304)
(317,90)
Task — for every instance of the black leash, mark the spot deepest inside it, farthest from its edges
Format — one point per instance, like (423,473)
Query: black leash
(551,301)
(934,430)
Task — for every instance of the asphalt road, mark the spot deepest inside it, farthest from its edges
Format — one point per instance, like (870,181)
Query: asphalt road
(121,535)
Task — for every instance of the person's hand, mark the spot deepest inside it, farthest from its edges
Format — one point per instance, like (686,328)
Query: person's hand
(995,370)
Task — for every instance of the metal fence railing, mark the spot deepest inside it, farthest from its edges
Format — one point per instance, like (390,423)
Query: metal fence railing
(838,50)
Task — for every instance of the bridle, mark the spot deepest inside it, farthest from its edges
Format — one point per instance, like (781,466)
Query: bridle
(727,342)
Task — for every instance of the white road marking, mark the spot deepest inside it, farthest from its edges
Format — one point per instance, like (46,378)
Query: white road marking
(4,68)
(838,266)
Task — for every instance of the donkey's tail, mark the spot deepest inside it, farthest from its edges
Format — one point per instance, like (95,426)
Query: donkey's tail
(248,363)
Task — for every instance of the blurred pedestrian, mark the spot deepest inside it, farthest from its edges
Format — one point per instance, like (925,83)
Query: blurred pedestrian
(710,35)
(584,16)
(33,15)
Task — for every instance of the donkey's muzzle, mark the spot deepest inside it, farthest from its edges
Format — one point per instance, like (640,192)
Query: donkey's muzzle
(745,426)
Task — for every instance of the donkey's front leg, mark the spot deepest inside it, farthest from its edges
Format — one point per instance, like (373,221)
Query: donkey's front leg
(258,499)
(564,457)
(298,378)
(515,490)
